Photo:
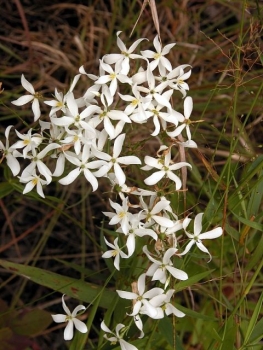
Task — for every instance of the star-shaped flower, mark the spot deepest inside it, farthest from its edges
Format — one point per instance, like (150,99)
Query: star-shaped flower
(71,319)
(197,236)
(33,96)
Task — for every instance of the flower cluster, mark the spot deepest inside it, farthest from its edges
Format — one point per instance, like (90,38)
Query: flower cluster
(86,135)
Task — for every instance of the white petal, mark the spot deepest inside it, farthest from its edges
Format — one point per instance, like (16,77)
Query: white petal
(68,332)
(159,275)
(72,105)
(198,224)
(151,310)
(157,44)
(107,254)
(215,233)
(29,187)
(27,85)
(177,131)
(13,164)
(130,244)
(162,100)
(80,326)
(43,169)
(179,274)
(23,100)
(153,293)
(103,80)
(188,107)
(129,160)
(92,179)
(163,221)
(117,148)
(188,247)
(168,254)
(163,204)
(105,328)
(167,48)
(60,165)
(36,109)
(126,346)
(127,295)
(65,308)
(109,127)
(70,177)
(77,309)
(59,318)
(40,189)
(153,162)
(117,262)
(170,309)
(141,282)
(119,174)
(203,249)
(175,179)
(154,178)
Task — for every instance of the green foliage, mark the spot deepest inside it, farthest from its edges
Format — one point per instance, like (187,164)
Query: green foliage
(16,327)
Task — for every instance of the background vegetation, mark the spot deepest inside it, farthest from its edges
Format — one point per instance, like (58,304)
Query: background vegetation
(222,40)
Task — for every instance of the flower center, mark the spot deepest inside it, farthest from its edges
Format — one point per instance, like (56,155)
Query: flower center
(157,56)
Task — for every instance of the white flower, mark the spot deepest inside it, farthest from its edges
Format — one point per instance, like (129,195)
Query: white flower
(36,162)
(27,141)
(107,115)
(155,92)
(74,117)
(114,160)
(34,97)
(115,252)
(32,181)
(117,337)
(166,168)
(57,105)
(197,236)
(138,105)
(188,107)
(60,102)
(141,298)
(122,214)
(170,308)
(151,214)
(122,59)
(71,319)
(83,165)
(171,116)
(159,268)
(12,162)
(112,77)
(176,78)
(158,56)
(136,229)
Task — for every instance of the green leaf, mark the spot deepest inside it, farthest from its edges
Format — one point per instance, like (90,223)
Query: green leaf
(229,335)
(194,314)
(5,339)
(192,280)
(253,320)
(31,322)
(249,223)
(256,256)
(257,333)
(74,288)
(5,189)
